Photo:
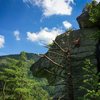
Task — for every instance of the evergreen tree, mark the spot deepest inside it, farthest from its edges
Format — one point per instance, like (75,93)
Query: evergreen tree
(91,84)
(17,84)
(95,14)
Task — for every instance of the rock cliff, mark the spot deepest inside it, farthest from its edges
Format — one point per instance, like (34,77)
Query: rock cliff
(83,19)
(78,54)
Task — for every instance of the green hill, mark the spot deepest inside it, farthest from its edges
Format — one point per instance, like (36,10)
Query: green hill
(30,56)
(16,79)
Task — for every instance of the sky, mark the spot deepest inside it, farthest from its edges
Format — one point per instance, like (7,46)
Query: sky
(29,25)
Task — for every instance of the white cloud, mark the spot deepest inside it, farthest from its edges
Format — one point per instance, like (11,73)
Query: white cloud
(17,35)
(67,25)
(53,7)
(98,0)
(2,41)
(45,36)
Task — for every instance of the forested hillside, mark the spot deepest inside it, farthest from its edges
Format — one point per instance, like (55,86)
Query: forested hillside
(17,82)
(29,56)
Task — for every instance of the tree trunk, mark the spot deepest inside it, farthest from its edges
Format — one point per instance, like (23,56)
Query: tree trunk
(69,79)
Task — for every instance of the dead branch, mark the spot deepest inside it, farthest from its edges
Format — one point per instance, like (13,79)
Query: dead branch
(59,46)
(56,53)
(53,61)
(53,73)
(60,98)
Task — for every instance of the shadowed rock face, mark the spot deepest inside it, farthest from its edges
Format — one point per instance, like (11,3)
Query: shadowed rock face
(86,50)
(78,55)
(84,19)
(87,29)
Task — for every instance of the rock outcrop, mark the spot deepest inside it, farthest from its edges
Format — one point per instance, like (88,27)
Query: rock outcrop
(78,54)
(86,50)
(84,19)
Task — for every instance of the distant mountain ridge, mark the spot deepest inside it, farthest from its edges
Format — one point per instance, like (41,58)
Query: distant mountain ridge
(33,56)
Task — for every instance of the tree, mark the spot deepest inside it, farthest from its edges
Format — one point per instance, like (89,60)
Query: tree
(95,13)
(7,77)
(91,84)
(17,84)
(66,67)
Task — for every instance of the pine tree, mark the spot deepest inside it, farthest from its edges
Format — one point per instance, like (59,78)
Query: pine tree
(91,84)
(17,84)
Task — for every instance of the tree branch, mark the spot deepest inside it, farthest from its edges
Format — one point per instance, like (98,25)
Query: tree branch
(59,46)
(56,53)
(53,61)
(60,98)
(53,73)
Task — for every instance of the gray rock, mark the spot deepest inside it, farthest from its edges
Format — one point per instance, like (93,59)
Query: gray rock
(84,19)
(78,56)
(45,68)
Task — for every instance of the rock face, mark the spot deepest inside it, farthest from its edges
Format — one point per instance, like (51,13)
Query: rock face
(78,56)
(43,67)
(84,19)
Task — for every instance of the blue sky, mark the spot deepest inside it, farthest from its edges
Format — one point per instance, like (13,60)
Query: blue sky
(27,25)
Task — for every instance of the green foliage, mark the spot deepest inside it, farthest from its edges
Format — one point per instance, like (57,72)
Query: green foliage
(49,45)
(23,56)
(95,14)
(69,30)
(91,84)
(95,36)
(88,7)
(30,56)
(16,82)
